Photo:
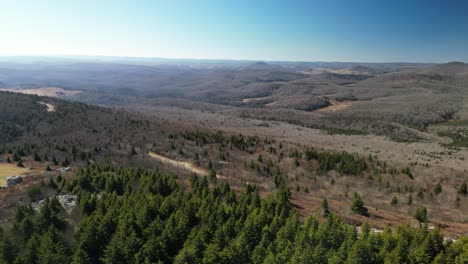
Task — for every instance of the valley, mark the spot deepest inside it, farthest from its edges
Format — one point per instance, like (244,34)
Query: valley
(338,125)
(316,135)
(234,132)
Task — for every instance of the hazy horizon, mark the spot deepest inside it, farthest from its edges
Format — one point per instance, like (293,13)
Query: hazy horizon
(149,58)
(309,31)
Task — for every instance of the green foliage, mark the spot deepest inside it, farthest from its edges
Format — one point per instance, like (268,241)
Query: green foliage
(421,194)
(459,137)
(421,214)
(325,208)
(34,193)
(240,141)
(213,174)
(341,162)
(408,172)
(438,189)
(36,156)
(138,216)
(463,190)
(132,151)
(357,205)
(65,162)
(343,131)
(18,115)
(410,199)
(52,248)
(16,157)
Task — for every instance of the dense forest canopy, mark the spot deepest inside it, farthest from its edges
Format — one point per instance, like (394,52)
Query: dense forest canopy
(140,216)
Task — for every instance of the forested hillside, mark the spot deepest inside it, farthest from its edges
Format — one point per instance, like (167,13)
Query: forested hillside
(138,216)
(18,114)
(70,131)
(270,212)
(28,116)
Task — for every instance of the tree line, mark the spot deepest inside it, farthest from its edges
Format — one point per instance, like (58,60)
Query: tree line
(140,216)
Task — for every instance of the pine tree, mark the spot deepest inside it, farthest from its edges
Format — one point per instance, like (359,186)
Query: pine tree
(52,249)
(213,174)
(16,157)
(36,157)
(7,249)
(421,195)
(410,199)
(457,202)
(65,162)
(30,252)
(133,151)
(421,214)
(357,205)
(438,189)
(325,208)
(463,190)
(359,254)
(146,217)
(296,162)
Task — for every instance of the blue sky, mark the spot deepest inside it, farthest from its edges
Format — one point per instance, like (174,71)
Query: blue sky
(331,30)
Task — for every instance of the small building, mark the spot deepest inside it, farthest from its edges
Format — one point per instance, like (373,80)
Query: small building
(13,180)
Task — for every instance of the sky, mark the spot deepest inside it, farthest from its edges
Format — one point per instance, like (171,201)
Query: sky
(291,30)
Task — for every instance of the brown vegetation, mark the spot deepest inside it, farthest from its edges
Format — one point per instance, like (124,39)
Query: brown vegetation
(254,126)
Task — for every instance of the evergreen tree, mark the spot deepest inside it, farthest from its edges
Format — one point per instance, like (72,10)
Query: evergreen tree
(213,174)
(421,214)
(16,157)
(52,249)
(410,199)
(357,205)
(20,164)
(325,208)
(65,162)
(54,161)
(139,216)
(36,157)
(438,189)
(463,190)
(133,151)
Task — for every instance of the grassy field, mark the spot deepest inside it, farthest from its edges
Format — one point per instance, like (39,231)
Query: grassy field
(454,123)
(7,169)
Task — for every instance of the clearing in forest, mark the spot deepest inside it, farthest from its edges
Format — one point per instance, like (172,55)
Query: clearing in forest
(7,170)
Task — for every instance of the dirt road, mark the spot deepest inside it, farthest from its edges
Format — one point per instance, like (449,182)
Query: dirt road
(183,164)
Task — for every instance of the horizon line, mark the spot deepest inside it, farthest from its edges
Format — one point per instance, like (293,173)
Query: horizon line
(211,59)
